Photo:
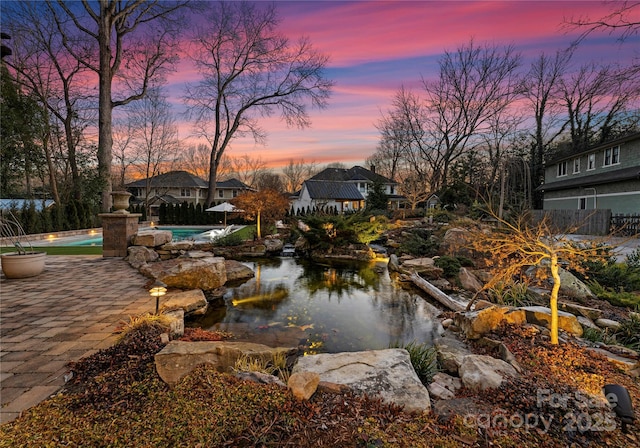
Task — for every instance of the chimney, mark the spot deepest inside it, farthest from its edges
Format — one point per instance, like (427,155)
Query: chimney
(373,169)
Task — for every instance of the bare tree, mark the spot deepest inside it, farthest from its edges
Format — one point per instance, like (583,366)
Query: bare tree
(268,180)
(45,69)
(123,150)
(297,172)
(133,43)
(247,169)
(475,84)
(541,89)
(596,98)
(195,159)
(250,70)
(623,18)
(155,136)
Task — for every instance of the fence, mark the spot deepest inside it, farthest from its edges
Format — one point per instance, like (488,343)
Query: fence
(581,222)
(625,225)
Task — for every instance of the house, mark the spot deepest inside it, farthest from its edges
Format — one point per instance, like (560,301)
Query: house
(606,176)
(342,189)
(177,187)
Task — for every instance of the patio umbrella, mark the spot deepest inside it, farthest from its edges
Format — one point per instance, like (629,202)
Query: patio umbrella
(225,207)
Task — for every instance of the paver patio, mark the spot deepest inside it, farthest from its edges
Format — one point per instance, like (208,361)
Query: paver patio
(68,312)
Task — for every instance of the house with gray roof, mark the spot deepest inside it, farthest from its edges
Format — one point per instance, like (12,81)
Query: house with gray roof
(181,186)
(605,176)
(344,190)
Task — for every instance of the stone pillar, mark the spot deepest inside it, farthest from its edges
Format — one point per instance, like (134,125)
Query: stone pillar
(117,231)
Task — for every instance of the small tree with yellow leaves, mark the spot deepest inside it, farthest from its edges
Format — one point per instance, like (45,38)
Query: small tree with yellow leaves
(515,245)
(262,205)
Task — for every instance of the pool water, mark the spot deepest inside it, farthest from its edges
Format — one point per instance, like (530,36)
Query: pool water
(179,233)
(322,308)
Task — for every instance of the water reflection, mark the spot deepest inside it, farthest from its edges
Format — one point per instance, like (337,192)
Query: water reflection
(328,307)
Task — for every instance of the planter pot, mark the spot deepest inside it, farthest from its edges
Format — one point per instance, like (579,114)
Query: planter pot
(30,264)
(120,201)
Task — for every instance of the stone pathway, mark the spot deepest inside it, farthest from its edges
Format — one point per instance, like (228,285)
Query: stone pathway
(66,313)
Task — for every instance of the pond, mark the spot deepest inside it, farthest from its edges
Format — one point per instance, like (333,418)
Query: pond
(322,308)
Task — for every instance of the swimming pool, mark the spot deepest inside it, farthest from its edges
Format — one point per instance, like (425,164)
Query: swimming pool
(179,234)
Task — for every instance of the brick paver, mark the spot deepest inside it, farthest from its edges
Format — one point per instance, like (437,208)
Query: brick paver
(68,312)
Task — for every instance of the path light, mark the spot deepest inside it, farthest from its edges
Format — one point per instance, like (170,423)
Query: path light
(158,289)
(619,399)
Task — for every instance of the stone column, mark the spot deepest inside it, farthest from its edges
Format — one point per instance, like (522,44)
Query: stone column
(117,231)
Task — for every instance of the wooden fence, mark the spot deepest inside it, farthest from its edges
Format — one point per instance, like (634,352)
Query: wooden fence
(581,222)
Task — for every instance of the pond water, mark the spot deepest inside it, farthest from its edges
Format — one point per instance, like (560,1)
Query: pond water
(322,308)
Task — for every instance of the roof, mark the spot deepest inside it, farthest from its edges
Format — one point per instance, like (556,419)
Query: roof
(570,155)
(172,179)
(232,183)
(184,179)
(595,179)
(349,175)
(19,204)
(320,189)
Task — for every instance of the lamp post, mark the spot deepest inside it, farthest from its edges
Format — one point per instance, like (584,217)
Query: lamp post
(158,289)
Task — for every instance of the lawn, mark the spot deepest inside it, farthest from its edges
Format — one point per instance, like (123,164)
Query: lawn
(61,250)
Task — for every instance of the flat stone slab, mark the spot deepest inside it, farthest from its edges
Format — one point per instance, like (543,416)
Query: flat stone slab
(152,238)
(177,359)
(541,315)
(387,374)
(191,301)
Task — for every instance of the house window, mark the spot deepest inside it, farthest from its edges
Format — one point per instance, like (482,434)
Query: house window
(391,189)
(362,186)
(220,193)
(562,169)
(235,193)
(591,162)
(576,165)
(185,192)
(612,156)
(582,203)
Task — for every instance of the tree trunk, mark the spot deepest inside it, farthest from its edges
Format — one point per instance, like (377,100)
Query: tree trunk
(553,300)
(436,293)
(105,138)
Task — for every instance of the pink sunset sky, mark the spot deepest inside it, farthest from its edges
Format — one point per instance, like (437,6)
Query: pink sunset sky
(375,47)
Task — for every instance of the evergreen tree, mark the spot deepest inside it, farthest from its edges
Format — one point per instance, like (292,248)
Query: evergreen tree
(162,214)
(377,198)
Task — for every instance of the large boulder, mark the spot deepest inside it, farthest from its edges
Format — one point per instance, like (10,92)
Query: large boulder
(570,285)
(451,351)
(474,324)
(273,245)
(140,255)
(152,238)
(469,281)
(456,241)
(189,273)
(541,315)
(484,372)
(178,358)
(191,302)
(238,271)
(387,374)
(424,266)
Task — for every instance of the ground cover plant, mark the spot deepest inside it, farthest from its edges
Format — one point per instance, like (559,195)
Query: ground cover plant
(116,399)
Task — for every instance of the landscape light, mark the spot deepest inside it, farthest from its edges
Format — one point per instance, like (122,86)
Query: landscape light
(158,289)
(620,400)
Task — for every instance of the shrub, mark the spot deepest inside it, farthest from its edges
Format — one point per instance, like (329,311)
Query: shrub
(450,265)
(424,358)
(420,242)
(620,298)
(633,259)
(229,240)
(512,294)
(628,333)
